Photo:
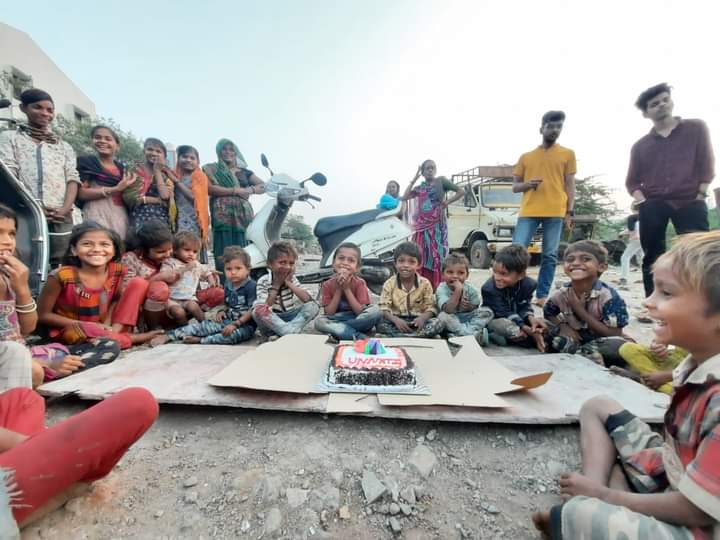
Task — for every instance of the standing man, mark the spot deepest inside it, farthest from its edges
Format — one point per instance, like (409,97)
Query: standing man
(546,178)
(670,171)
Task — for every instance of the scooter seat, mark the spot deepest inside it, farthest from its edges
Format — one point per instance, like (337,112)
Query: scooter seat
(327,226)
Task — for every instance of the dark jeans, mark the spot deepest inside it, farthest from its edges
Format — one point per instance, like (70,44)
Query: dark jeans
(654,217)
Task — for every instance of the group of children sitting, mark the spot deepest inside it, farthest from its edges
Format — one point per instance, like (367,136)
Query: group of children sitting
(103,300)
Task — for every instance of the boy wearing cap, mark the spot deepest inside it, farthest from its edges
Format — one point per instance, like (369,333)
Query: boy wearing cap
(546,178)
(46,165)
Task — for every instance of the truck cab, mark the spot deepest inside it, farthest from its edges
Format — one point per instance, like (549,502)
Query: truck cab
(484,220)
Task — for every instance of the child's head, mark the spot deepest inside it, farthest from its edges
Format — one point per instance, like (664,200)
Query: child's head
(154,240)
(585,260)
(105,141)
(188,158)
(428,169)
(455,267)
(686,300)
(38,106)
(393,188)
(237,264)
(8,230)
(407,259)
(510,265)
(347,256)
(282,257)
(155,150)
(186,246)
(93,245)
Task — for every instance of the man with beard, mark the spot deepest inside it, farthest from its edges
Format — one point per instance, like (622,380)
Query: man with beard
(670,171)
(546,178)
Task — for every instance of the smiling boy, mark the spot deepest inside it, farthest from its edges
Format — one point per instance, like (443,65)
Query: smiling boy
(633,484)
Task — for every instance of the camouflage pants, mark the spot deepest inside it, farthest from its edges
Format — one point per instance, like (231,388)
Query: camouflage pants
(466,324)
(432,328)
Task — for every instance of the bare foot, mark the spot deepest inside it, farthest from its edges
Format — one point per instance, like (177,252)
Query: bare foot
(617,370)
(541,520)
(144,337)
(191,340)
(161,339)
(572,484)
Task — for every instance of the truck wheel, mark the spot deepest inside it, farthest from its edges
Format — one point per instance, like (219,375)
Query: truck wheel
(479,254)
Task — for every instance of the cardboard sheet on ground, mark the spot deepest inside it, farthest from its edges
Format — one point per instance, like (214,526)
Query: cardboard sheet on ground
(178,374)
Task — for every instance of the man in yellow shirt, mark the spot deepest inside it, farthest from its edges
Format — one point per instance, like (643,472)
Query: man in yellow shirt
(546,178)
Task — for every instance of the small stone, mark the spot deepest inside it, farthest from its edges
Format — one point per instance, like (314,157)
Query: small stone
(344,512)
(337,477)
(408,495)
(273,520)
(244,526)
(431,435)
(395,525)
(394,509)
(422,460)
(191,497)
(372,488)
(159,514)
(470,483)
(296,497)
(383,509)
(190,482)
(405,509)
(522,436)
(555,468)
(489,508)
(392,487)
(74,506)
(269,487)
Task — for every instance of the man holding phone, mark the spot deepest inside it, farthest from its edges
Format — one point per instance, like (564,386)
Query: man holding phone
(670,171)
(546,178)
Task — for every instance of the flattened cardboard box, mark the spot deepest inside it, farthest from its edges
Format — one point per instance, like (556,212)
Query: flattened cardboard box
(296,364)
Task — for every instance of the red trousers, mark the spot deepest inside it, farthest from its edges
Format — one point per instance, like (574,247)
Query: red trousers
(83,448)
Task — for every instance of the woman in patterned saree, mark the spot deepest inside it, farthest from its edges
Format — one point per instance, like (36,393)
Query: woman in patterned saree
(231,184)
(429,219)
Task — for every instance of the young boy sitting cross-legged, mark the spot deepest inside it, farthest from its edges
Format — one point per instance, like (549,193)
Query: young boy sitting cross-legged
(345,298)
(633,484)
(407,301)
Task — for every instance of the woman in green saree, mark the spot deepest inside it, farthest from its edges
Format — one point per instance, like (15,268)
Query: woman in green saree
(230,187)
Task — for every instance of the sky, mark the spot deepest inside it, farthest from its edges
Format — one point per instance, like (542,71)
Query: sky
(365,90)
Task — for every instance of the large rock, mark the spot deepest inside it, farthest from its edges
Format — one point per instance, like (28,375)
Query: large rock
(273,520)
(268,488)
(423,460)
(327,497)
(372,488)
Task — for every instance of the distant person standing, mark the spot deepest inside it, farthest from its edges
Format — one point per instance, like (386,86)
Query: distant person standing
(633,247)
(670,171)
(546,178)
(46,165)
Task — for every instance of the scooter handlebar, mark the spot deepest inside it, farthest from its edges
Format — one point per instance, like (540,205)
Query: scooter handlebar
(314,198)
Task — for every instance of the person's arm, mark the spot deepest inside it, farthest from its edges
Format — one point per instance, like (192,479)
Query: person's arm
(257,186)
(449,303)
(10,439)
(570,192)
(459,194)
(131,196)
(704,162)
(330,303)
(18,274)
(633,182)
(185,190)
(409,190)
(355,304)
(46,304)
(297,290)
(87,193)
(162,187)
(596,326)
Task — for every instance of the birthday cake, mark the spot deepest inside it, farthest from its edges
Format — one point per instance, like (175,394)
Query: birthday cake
(369,363)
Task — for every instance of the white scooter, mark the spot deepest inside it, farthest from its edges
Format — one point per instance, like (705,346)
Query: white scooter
(376,231)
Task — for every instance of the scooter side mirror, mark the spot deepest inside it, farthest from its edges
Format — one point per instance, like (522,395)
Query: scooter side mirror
(264,160)
(319,179)
(5,103)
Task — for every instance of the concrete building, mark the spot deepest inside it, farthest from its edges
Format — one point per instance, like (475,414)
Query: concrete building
(23,64)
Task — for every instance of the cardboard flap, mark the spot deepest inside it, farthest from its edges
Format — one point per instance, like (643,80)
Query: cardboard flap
(351,403)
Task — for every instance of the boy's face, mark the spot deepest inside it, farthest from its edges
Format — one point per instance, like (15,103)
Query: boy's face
(455,273)
(681,315)
(346,259)
(551,130)
(659,107)
(40,114)
(159,253)
(188,162)
(284,264)
(504,278)
(186,253)
(8,236)
(580,265)
(407,266)
(236,271)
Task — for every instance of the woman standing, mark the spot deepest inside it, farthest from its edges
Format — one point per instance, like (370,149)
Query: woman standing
(45,164)
(103,182)
(430,220)
(151,197)
(231,184)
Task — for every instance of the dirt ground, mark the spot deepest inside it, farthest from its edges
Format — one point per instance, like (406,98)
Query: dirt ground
(232,473)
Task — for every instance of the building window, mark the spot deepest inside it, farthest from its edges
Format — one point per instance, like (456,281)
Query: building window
(19,81)
(79,115)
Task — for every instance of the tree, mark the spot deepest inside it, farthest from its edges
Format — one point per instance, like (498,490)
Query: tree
(77,134)
(593,197)
(296,229)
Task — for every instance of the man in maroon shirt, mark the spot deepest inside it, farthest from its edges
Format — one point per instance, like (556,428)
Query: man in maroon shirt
(670,171)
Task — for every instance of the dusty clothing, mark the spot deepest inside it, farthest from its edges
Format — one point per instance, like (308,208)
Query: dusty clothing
(285,300)
(346,325)
(419,299)
(185,287)
(282,323)
(357,285)
(672,168)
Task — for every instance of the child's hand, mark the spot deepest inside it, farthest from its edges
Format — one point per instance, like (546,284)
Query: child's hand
(464,305)
(229,329)
(15,270)
(402,325)
(128,179)
(539,341)
(420,321)
(220,316)
(576,304)
(289,278)
(538,326)
(213,279)
(68,365)
(658,349)
(278,279)
(656,380)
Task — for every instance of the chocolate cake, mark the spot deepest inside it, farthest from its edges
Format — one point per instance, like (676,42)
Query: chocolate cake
(371,364)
